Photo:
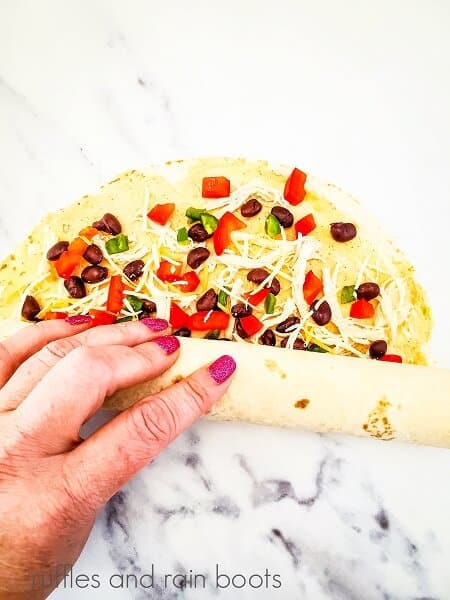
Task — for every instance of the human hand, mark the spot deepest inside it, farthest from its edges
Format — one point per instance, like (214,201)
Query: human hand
(53,377)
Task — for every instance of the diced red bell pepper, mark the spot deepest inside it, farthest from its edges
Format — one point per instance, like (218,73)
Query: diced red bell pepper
(178,318)
(77,246)
(51,315)
(305,225)
(161,213)
(294,189)
(168,271)
(114,302)
(215,187)
(312,287)
(251,324)
(222,235)
(101,317)
(216,320)
(89,232)
(258,297)
(362,309)
(67,263)
(188,282)
(392,358)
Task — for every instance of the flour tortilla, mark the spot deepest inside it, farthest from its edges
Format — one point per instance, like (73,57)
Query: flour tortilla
(318,392)
(342,392)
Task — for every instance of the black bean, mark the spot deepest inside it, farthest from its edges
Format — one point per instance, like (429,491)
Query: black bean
(342,232)
(240,310)
(108,223)
(75,286)
(285,217)
(208,301)
(30,308)
(275,287)
(182,332)
(214,334)
(198,233)
(251,208)
(368,291)
(93,254)
(134,269)
(56,250)
(268,338)
(197,257)
(377,349)
(286,325)
(321,314)
(257,275)
(240,330)
(94,274)
(148,308)
(299,344)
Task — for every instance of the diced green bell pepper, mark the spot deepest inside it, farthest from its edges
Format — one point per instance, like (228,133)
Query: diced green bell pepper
(272,226)
(117,244)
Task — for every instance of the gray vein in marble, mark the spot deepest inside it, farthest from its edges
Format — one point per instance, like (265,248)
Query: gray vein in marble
(118,42)
(276,536)
(275,490)
(126,563)
(194,461)
(18,97)
(20,102)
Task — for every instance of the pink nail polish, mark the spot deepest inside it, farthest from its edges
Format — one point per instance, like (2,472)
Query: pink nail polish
(78,319)
(168,343)
(222,368)
(155,324)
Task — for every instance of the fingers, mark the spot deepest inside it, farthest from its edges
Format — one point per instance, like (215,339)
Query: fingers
(76,387)
(29,340)
(33,370)
(108,459)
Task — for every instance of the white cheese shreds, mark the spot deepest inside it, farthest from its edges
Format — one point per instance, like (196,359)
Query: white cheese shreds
(254,189)
(289,261)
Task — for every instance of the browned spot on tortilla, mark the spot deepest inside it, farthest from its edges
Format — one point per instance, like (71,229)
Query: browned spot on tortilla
(378,424)
(272,365)
(303,403)
(177,379)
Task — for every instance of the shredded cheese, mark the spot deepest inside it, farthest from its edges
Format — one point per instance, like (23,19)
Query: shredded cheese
(284,259)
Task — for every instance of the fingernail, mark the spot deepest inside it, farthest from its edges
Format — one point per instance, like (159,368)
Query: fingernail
(78,319)
(168,343)
(222,368)
(155,324)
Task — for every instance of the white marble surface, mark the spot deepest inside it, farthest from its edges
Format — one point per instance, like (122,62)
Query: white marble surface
(357,92)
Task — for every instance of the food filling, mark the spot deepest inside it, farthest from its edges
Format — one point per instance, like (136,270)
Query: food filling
(217,277)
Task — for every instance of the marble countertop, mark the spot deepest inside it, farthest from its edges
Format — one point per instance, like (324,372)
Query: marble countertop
(357,93)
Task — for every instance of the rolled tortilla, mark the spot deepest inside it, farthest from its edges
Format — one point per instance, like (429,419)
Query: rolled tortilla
(318,392)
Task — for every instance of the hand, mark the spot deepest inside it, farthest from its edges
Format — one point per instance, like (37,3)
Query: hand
(53,377)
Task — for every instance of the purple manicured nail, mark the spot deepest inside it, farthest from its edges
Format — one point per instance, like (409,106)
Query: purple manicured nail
(222,368)
(168,343)
(155,324)
(78,319)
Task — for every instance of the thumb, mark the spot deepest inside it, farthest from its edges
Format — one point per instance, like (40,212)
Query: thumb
(115,453)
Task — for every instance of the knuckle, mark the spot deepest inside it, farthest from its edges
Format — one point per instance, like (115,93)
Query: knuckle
(7,365)
(5,355)
(146,357)
(197,393)
(87,355)
(56,350)
(154,422)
